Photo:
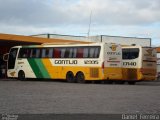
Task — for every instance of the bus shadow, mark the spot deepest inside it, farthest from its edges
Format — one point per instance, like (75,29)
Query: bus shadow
(148,83)
(7,79)
(155,83)
(45,80)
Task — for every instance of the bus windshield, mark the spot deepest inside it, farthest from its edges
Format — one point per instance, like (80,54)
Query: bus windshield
(130,53)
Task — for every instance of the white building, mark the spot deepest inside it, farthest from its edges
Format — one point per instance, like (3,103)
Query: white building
(102,38)
(122,40)
(158,62)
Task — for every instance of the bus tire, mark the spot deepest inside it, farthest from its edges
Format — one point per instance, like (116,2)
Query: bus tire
(21,75)
(131,82)
(80,77)
(120,82)
(70,77)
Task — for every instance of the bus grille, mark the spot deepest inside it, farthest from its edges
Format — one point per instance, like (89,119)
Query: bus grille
(94,72)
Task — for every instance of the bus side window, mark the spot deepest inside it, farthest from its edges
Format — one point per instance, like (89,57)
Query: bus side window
(91,52)
(43,52)
(57,53)
(24,53)
(67,53)
(33,53)
(85,52)
(21,53)
(50,55)
(28,51)
(70,53)
(80,52)
(38,53)
(74,52)
(63,50)
(96,53)
(47,53)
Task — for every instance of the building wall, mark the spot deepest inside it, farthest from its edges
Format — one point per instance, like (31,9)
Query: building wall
(122,40)
(102,38)
(158,65)
(65,37)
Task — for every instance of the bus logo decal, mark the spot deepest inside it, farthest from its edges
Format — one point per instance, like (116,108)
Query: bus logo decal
(113,47)
(12,73)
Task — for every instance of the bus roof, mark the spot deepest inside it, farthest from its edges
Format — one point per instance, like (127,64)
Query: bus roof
(72,44)
(136,46)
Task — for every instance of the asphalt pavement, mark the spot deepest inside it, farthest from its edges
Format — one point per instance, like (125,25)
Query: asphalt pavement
(48,97)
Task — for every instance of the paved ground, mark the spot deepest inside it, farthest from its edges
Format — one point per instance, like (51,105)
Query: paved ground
(60,97)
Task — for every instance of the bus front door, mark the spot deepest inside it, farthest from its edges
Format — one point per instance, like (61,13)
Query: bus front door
(12,58)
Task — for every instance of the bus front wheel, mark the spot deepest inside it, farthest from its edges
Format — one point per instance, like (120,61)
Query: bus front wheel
(80,77)
(21,75)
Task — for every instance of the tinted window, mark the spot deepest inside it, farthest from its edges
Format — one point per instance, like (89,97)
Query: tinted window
(47,52)
(94,52)
(33,53)
(85,52)
(57,53)
(24,53)
(38,53)
(130,53)
(80,52)
(61,52)
(72,52)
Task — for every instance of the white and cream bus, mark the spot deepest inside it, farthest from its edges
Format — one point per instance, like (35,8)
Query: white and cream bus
(72,62)
(139,63)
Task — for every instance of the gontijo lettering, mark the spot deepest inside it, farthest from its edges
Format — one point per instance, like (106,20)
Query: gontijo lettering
(65,62)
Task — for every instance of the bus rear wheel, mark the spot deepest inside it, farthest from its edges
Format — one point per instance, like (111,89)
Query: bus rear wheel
(131,83)
(21,75)
(120,82)
(80,77)
(70,77)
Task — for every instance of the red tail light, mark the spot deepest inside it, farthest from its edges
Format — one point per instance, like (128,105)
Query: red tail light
(103,65)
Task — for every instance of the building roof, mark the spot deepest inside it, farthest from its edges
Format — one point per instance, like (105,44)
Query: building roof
(7,39)
(158,49)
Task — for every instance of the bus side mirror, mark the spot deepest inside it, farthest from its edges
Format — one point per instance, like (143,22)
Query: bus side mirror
(5,57)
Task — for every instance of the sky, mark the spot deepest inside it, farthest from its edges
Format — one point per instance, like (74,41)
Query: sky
(130,18)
